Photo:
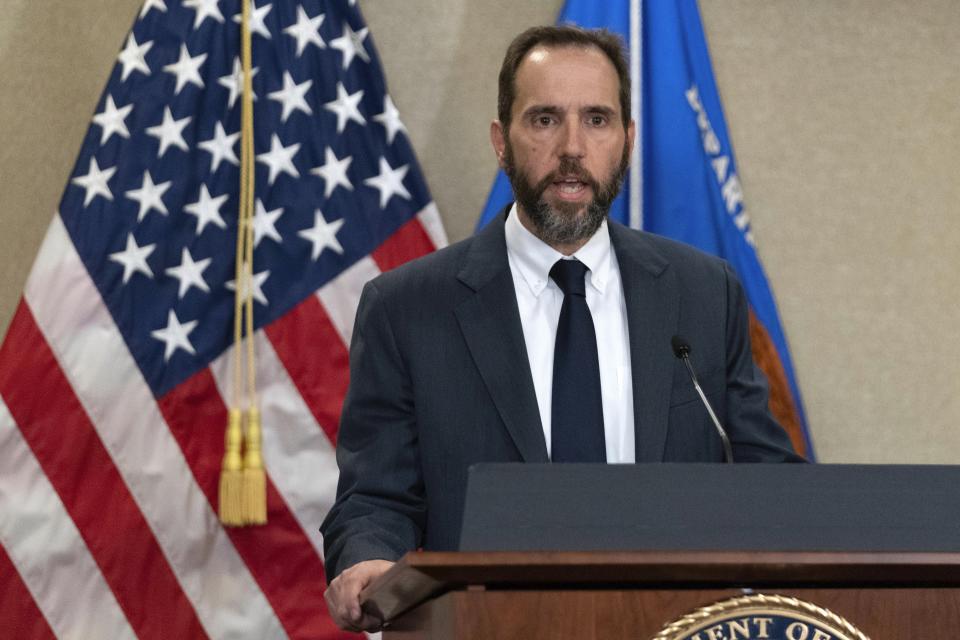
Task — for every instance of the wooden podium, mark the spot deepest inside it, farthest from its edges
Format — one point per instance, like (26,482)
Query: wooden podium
(618,595)
(549,552)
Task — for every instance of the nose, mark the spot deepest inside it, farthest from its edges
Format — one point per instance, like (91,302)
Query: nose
(572,139)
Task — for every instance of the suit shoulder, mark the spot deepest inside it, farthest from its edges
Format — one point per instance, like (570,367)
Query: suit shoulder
(667,251)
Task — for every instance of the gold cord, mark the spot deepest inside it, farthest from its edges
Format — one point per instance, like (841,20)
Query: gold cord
(243,479)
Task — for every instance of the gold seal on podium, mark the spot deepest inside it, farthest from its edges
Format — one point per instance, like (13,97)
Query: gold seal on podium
(761,617)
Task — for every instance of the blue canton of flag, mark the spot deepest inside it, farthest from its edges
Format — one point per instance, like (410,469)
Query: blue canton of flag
(114,371)
(152,207)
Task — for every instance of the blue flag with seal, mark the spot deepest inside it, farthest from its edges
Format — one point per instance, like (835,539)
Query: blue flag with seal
(683,182)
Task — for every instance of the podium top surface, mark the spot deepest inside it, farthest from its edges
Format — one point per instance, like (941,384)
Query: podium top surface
(712,507)
(422,575)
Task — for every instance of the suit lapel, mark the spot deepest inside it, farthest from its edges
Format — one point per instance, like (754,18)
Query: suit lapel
(652,302)
(490,322)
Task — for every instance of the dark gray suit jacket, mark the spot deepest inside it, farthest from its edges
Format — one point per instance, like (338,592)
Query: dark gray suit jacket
(439,380)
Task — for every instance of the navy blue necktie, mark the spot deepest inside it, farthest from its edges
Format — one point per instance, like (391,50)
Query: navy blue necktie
(577,413)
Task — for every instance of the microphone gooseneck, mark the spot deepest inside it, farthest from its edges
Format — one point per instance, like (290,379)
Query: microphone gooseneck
(681,349)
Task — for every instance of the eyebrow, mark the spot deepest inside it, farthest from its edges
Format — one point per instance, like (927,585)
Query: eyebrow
(546,109)
(542,109)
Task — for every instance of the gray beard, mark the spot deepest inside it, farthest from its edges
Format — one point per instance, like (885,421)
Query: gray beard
(563,223)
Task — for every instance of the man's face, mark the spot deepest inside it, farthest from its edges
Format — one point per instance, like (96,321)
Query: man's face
(566,150)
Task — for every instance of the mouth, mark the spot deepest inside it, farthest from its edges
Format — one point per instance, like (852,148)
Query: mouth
(570,188)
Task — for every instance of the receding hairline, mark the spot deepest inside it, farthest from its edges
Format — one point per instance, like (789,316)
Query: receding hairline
(586,48)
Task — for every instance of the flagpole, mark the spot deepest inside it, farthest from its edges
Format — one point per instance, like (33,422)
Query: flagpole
(636,186)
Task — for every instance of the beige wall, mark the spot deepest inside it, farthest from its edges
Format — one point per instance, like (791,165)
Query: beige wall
(845,117)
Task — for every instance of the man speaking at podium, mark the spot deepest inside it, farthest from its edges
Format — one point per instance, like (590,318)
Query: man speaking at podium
(547,336)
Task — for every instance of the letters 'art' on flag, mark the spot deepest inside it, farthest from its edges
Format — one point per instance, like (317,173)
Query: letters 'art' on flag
(114,375)
(687,186)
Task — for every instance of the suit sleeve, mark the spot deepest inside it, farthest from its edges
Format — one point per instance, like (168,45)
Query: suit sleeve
(379,512)
(754,433)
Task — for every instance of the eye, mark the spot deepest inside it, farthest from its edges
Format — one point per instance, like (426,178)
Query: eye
(597,120)
(544,120)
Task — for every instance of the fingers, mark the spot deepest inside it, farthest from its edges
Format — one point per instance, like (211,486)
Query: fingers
(343,596)
(369,623)
(343,602)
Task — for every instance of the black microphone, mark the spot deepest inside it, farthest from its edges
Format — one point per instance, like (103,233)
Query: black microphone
(681,349)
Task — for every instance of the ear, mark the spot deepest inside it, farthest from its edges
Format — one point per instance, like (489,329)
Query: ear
(631,135)
(498,140)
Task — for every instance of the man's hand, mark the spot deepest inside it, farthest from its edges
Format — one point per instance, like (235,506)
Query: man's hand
(343,595)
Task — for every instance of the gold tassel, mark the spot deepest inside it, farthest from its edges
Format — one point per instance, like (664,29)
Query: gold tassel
(254,477)
(231,474)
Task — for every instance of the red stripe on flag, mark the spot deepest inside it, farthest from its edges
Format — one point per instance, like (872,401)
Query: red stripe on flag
(408,242)
(316,359)
(71,454)
(278,555)
(781,401)
(19,615)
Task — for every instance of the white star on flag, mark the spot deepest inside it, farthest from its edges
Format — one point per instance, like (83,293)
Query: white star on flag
(134,258)
(322,234)
(207,209)
(152,4)
(149,195)
(170,132)
(95,182)
(389,182)
(175,336)
(134,57)
(292,96)
(333,172)
(189,273)
(350,44)
(346,106)
(306,31)
(265,224)
(390,119)
(186,69)
(111,119)
(204,9)
(220,147)
(257,281)
(280,158)
(234,81)
(257,25)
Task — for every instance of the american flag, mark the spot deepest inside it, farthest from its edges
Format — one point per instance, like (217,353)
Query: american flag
(114,373)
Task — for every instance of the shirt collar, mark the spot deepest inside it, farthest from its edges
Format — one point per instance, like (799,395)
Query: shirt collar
(533,258)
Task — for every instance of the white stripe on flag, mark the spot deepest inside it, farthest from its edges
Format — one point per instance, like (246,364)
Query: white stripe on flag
(44,544)
(94,358)
(341,296)
(429,217)
(299,458)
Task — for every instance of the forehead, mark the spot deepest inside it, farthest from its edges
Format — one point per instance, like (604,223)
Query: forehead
(566,76)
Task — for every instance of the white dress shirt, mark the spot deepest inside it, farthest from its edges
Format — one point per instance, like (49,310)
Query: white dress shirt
(539,300)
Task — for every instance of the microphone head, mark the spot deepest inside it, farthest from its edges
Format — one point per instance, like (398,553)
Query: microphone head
(681,348)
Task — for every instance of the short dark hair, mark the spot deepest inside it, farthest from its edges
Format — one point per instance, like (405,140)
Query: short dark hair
(561,36)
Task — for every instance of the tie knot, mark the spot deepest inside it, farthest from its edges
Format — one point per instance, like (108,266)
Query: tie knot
(569,276)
